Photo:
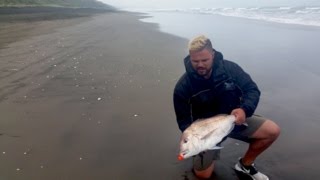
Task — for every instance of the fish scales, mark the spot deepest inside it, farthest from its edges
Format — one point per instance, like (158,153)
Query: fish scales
(205,134)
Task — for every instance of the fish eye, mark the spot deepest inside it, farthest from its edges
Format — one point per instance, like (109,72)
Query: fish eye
(185,140)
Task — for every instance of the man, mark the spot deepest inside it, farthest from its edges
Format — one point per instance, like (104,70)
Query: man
(211,86)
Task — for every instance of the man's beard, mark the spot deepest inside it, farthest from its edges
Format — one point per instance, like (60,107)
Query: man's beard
(203,72)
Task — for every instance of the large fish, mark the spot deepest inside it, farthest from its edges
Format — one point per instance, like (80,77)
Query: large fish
(205,134)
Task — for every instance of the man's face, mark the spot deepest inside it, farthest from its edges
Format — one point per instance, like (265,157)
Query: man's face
(202,61)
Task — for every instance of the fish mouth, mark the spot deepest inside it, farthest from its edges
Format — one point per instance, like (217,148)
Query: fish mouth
(184,152)
(182,155)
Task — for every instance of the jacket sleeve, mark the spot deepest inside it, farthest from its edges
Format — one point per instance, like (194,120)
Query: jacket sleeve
(250,91)
(182,108)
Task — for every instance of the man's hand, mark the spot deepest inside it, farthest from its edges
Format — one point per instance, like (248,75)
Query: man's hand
(240,116)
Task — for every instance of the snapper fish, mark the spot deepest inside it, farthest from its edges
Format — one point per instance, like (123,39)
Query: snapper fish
(205,134)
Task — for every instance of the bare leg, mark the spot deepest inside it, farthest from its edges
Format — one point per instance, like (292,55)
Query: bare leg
(263,138)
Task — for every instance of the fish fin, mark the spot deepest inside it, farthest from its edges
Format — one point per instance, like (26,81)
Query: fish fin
(216,147)
(245,124)
(209,134)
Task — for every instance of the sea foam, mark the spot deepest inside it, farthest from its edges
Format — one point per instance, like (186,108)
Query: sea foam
(289,15)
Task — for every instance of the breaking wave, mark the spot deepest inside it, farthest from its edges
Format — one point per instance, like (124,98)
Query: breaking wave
(289,15)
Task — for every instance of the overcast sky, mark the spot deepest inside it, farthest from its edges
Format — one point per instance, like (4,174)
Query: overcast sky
(207,3)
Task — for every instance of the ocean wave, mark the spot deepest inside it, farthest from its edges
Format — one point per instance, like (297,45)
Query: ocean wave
(290,15)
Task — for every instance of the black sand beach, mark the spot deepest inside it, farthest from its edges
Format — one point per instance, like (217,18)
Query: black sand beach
(90,97)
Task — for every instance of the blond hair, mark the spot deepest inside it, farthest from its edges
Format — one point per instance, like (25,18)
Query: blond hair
(199,43)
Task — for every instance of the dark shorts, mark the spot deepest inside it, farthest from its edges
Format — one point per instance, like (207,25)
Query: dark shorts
(243,133)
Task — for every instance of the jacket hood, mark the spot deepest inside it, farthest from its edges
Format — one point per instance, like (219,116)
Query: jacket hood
(191,72)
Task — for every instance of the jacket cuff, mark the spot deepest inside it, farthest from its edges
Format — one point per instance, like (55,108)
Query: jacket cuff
(246,110)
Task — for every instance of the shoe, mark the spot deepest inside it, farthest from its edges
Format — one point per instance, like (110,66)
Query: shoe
(250,171)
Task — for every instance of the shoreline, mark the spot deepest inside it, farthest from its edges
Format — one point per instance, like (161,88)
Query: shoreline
(154,15)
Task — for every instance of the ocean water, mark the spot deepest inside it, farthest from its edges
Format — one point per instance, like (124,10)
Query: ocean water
(289,15)
(224,23)
(250,41)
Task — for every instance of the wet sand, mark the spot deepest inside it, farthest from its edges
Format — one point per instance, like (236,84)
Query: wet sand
(91,98)
(88,98)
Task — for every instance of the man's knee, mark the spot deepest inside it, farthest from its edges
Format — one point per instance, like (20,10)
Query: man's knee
(203,163)
(273,130)
(268,130)
(205,174)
